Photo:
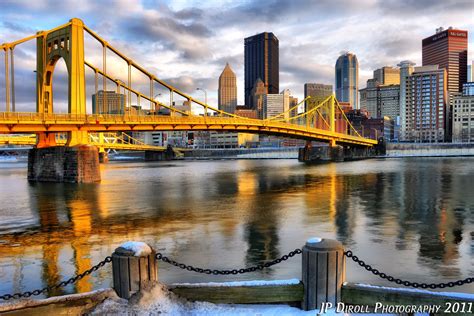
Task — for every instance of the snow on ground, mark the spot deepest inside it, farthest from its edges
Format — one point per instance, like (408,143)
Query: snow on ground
(158,300)
(449,294)
(139,248)
(241,283)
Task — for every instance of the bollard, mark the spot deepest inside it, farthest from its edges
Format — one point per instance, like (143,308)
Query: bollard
(323,272)
(132,272)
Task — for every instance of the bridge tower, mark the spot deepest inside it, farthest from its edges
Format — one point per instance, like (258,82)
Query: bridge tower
(76,162)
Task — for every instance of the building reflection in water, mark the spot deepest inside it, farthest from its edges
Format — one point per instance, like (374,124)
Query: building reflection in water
(421,208)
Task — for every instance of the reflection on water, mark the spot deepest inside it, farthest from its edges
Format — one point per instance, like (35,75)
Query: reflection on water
(411,218)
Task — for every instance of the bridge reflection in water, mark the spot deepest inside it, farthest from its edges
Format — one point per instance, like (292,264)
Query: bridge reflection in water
(411,217)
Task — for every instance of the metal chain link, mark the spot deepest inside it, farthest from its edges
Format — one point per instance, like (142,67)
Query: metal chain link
(398,281)
(262,266)
(72,280)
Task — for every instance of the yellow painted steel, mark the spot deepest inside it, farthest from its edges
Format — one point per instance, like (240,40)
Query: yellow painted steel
(67,41)
(103,141)
(54,123)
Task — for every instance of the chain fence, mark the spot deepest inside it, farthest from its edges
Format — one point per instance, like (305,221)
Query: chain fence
(262,266)
(398,281)
(291,254)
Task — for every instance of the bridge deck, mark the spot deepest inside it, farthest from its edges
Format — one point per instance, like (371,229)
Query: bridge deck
(17,122)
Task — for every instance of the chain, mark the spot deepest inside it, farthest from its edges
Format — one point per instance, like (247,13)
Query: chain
(390,278)
(72,280)
(262,266)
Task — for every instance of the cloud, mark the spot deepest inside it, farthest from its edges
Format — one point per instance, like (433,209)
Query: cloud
(189,44)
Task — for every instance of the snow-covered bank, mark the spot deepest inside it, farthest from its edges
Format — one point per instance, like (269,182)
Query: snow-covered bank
(158,300)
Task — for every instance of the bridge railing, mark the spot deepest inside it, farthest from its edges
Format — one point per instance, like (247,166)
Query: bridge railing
(227,123)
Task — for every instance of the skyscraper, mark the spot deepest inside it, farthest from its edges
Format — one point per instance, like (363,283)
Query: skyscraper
(427,113)
(261,62)
(406,69)
(448,50)
(317,92)
(347,79)
(227,93)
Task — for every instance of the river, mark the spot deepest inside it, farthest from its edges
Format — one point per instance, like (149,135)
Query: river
(412,218)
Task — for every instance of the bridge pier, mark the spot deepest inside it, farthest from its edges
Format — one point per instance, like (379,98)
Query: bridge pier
(168,154)
(337,153)
(77,164)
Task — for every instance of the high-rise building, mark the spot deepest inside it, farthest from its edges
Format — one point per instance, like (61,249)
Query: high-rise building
(463,114)
(108,102)
(380,100)
(227,93)
(347,79)
(388,101)
(448,50)
(317,92)
(427,113)
(368,98)
(261,62)
(406,69)
(275,104)
(387,75)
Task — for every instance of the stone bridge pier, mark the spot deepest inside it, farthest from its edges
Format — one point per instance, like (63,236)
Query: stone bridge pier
(76,164)
(338,153)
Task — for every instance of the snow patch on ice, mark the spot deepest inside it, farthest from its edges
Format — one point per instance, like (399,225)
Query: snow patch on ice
(240,283)
(450,294)
(140,249)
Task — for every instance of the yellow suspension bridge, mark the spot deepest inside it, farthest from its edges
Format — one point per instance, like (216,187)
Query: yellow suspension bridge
(67,42)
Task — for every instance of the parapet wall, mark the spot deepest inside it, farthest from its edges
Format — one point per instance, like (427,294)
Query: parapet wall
(429,150)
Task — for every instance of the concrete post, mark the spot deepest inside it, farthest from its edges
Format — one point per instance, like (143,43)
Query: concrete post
(132,273)
(323,272)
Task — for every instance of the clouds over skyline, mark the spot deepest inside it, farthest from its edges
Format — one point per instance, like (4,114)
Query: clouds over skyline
(189,42)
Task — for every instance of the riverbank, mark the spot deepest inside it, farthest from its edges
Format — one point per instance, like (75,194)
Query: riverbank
(400,150)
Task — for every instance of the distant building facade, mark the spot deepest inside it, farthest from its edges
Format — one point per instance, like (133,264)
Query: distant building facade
(227,93)
(317,92)
(275,104)
(427,113)
(463,114)
(380,99)
(448,50)
(406,69)
(108,102)
(258,92)
(347,79)
(261,61)
(387,75)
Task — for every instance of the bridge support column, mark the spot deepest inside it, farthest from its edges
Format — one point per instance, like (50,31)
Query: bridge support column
(77,164)
(151,155)
(321,154)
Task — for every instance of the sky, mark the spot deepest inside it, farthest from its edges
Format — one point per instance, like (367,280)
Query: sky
(187,43)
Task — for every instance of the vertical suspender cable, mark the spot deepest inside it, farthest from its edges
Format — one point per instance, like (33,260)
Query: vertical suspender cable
(104,82)
(13,79)
(7,82)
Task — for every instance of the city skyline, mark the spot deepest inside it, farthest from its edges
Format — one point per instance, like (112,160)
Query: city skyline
(188,43)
